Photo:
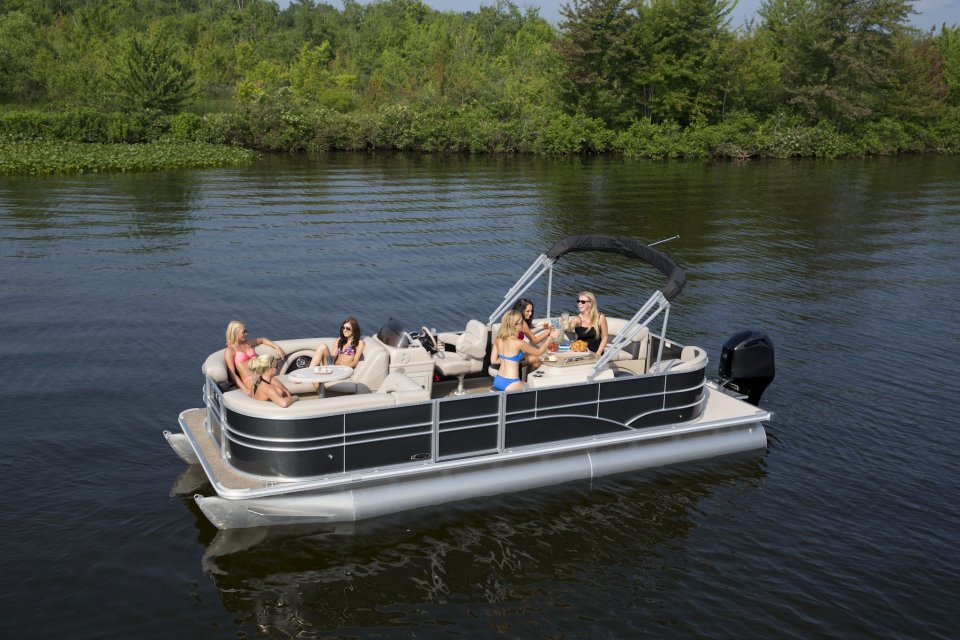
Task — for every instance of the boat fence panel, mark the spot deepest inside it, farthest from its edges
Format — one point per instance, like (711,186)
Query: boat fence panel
(468,426)
(216,414)
(604,408)
(386,437)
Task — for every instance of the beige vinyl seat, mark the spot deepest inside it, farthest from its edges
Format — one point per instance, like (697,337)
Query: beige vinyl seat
(394,389)
(691,359)
(471,349)
(373,367)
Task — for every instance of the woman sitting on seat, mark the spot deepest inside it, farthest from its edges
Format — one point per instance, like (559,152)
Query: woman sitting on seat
(510,349)
(240,351)
(349,346)
(590,325)
(265,385)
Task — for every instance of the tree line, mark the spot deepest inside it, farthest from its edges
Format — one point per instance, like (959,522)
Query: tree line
(647,78)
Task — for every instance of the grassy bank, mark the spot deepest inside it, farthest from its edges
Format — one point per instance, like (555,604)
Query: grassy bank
(39,157)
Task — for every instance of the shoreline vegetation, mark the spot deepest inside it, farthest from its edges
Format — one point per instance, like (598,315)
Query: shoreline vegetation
(174,84)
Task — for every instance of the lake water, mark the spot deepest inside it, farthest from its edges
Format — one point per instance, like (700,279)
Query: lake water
(114,288)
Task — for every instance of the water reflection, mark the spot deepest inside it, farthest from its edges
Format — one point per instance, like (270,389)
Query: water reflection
(153,210)
(529,551)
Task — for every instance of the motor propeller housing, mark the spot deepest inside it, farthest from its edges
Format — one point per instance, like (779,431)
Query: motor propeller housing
(747,364)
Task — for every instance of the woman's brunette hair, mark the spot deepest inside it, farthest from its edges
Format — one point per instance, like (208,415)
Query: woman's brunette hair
(354,334)
(521,305)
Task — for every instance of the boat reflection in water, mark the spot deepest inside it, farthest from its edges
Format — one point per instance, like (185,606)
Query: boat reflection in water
(493,559)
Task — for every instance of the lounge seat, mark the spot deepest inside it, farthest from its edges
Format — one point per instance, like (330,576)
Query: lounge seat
(369,374)
(639,344)
(396,388)
(691,359)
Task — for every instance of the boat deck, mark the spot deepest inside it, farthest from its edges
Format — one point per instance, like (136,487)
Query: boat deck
(217,468)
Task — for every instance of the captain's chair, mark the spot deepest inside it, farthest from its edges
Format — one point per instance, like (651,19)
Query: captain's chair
(471,348)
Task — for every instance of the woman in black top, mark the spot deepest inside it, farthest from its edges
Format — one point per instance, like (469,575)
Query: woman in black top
(590,325)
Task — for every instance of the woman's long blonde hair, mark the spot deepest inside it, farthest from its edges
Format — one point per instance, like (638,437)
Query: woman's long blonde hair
(508,324)
(258,365)
(234,329)
(594,314)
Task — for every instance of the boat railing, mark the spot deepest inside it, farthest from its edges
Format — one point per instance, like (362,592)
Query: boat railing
(526,281)
(654,306)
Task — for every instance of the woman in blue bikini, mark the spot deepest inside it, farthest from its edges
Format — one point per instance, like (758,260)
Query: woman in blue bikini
(510,349)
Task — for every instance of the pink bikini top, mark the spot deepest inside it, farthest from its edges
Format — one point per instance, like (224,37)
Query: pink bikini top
(242,356)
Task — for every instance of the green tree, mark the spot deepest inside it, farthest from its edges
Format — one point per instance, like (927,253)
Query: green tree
(314,83)
(756,77)
(688,47)
(948,45)
(20,41)
(839,56)
(597,46)
(151,77)
(918,90)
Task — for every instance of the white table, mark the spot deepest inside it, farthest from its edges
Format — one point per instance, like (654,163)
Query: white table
(320,375)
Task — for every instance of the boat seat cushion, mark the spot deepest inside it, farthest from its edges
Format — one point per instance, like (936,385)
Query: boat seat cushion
(397,388)
(691,359)
(471,349)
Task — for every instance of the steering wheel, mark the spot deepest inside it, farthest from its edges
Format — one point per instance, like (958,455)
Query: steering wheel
(429,342)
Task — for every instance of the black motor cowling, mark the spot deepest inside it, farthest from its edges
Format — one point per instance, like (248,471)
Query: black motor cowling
(747,364)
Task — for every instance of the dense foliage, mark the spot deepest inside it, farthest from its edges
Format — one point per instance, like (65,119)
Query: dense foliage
(647,78)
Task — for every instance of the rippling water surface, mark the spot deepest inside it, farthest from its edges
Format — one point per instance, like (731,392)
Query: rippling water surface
(114,288)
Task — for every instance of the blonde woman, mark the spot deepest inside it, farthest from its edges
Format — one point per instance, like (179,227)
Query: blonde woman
(509,349)
(264,385)
(240,350)
(590,325)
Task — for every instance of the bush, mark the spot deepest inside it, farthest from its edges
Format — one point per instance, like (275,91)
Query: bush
(185,126)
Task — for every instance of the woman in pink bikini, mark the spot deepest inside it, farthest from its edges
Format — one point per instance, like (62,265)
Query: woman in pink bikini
(349,346)
(240,350)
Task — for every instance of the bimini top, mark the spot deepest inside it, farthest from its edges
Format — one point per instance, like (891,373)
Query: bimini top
(676,275)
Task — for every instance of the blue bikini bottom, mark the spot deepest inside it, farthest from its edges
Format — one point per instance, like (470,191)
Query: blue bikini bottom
(500,383)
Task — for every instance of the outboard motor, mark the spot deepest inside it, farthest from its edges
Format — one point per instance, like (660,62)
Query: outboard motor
(746,364)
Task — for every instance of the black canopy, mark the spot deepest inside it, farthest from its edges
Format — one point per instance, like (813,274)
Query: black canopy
(676,276)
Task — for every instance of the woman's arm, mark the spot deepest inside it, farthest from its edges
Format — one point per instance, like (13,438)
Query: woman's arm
(495,352)
(232,373)
(277,397)
(536,351)
(534,338)
(273,345)
(604,334)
